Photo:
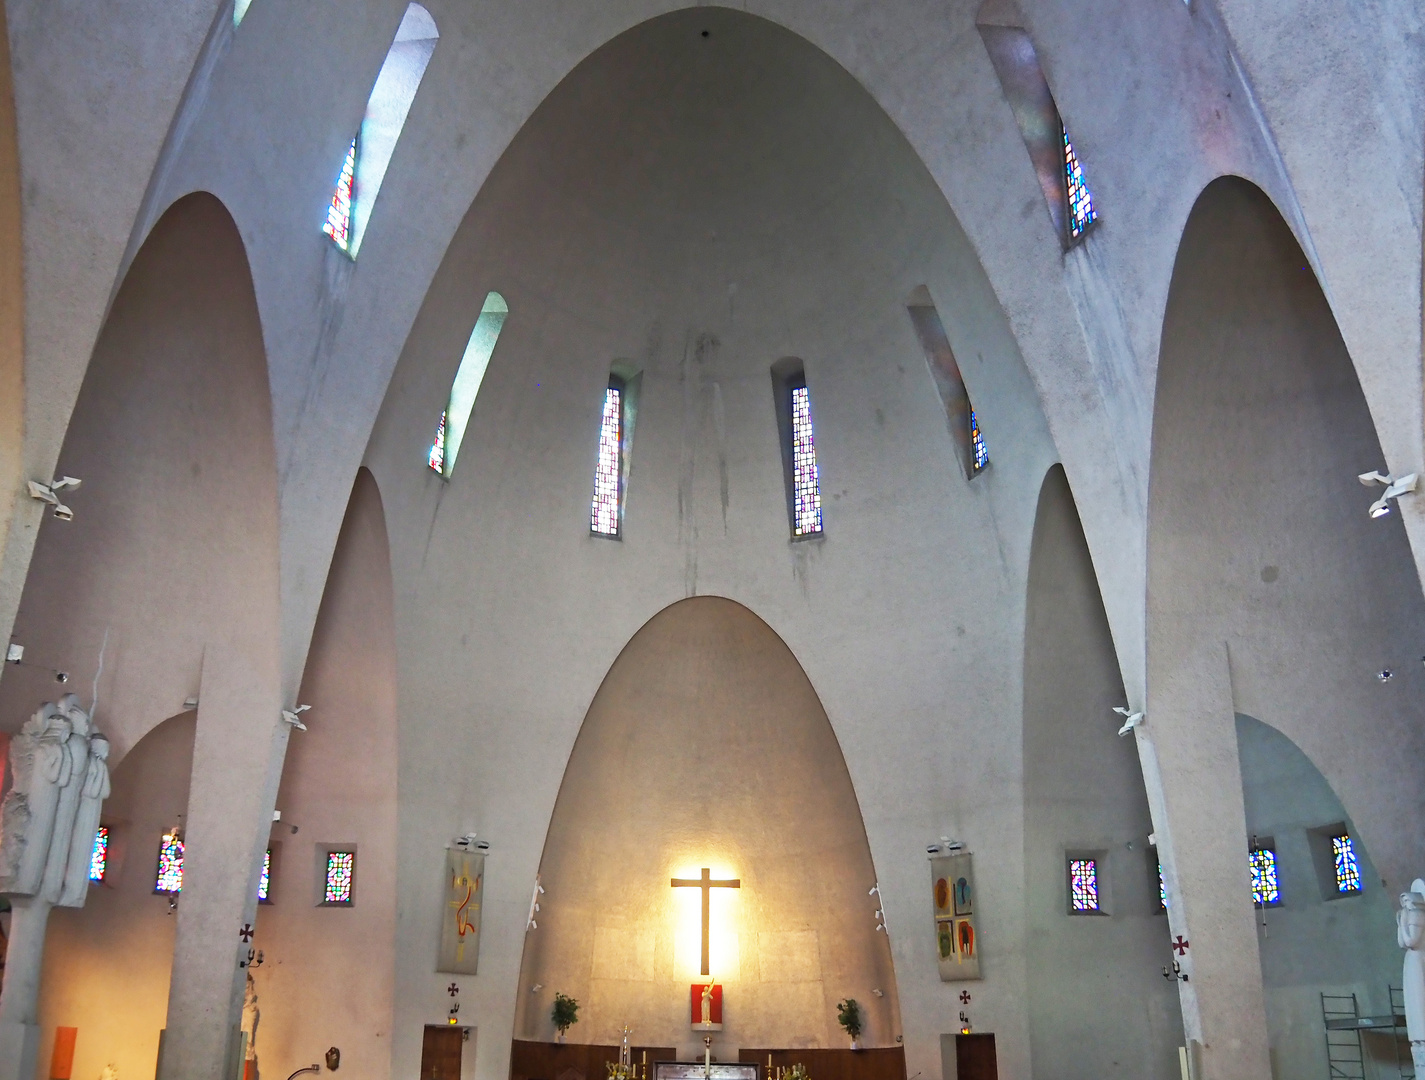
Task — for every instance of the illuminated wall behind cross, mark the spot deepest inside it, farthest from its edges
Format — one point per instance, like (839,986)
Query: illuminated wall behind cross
(706,746)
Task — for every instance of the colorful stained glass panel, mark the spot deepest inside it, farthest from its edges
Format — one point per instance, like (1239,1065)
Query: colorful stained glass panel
(977,440)
(1162,888)
(1083,884)
(604,516)
(99,860)
(806,481)
(264,883)
(340,866)
(1265,890)
(1081,209)
(170,864)
(1348,870)
(436,460)
(338,223)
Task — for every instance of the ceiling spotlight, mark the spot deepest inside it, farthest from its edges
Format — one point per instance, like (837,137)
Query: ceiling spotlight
(1132,721)
(876,888)
(1385,675)
(878,993)
(1394,486)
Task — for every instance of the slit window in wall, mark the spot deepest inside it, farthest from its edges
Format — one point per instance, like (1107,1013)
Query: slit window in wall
(338,876)
(170,863)
(1162,889)
(616,425)
(960,415)
(99,858)
(799,463)
(1084,896)
(369,154)
(450,430)
(1046,138)
(264,881)
(239,10)
(1262,861)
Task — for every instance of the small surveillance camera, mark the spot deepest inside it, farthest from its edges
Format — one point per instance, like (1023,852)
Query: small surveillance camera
(61,676)
(1384,675)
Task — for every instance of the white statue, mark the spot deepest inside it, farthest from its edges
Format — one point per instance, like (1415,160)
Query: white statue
(93,790)
(251,1015)
(1410,936)
(42,767)
(67,809)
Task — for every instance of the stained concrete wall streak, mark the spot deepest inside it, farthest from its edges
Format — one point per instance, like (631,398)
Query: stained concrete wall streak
(107,963)
(707,746)
(328,974)
(1083,792)
(1310,945)
(1271,591)
(700,207)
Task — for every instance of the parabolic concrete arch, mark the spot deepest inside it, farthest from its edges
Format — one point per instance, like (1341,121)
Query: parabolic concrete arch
(1270,590)
(706,745)
(163,589)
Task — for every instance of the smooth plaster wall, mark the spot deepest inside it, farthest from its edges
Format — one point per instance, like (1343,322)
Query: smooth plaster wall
(1083,793)
(1271,592)
(698,208)
(707,746)
(107,963)
(327,977)
(1310,945)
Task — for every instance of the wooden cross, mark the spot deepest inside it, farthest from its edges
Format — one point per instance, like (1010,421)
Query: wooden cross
(707,885)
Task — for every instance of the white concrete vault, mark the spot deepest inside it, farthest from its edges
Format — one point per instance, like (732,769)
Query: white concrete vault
(910,617)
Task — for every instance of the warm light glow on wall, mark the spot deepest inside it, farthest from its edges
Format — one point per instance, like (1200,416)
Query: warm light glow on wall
(723,912)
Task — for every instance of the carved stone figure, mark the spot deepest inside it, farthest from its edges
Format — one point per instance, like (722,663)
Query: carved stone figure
(41,767)
(67,809)
(93,790)
(1410,936)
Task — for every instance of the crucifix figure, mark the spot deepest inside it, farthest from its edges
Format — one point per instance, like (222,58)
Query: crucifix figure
(707,885)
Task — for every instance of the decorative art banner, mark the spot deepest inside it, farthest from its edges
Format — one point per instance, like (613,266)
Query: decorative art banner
(957,942)
(460,922)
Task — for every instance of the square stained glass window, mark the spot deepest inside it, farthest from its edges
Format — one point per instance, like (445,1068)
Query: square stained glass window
(1081,209)
(604,514)
(1083,884)
(806,481)
(1265,890)
(99,860)
(264,883)
(170,864)
(1348,870)
(341,865)
(338,222)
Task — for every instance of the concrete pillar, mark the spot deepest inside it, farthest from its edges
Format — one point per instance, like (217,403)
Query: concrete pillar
(1188,748)
(19,1005)
(229,818)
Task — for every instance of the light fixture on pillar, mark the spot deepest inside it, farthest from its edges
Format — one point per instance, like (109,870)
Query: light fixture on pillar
(1394,486)
(49,493)
(1132,719)
(294,718)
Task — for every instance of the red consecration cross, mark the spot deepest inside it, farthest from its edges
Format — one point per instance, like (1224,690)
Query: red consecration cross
(1181,945)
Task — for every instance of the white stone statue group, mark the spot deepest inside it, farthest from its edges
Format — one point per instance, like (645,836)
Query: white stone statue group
(49,819)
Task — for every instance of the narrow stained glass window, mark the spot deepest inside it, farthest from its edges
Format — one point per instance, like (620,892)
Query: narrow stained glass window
(450,431)
(1081,209)
(340,865)
(1348,870)
(338,223)
(806,483)
(1083,884)
(604,518)
(170,864)
(239,10)
(977,440)
(1162,888)
(99,860)
(436,460)
(1265,891)
(264,883)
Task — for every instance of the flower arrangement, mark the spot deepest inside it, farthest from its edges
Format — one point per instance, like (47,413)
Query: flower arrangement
(848,1015)
(565,1013)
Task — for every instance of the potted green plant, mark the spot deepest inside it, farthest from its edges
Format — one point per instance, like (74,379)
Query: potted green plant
(848,1015)
(565,1013)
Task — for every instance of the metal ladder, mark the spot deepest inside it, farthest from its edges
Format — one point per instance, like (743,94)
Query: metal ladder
(1345,1057)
